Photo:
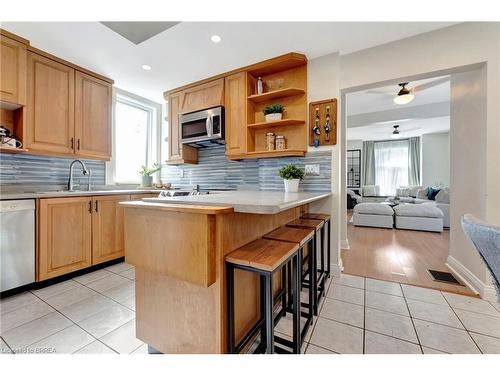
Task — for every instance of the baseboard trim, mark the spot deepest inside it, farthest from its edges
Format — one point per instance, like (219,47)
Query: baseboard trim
(344,244)
(486,292)
(336,269)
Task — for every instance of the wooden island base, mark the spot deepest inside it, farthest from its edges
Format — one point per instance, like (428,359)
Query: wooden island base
(178,252)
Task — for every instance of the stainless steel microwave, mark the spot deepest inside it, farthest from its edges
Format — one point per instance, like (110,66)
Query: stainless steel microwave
(205,125)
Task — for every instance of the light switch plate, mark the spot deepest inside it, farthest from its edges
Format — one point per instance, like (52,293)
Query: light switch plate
(312,169)
(181,172)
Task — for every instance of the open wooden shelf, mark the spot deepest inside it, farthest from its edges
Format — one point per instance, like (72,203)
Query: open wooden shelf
(12,150)
(269,124)
(281,93)
(277,64)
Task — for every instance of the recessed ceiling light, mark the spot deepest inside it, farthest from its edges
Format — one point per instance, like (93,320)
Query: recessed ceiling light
(215,38)
(146,67)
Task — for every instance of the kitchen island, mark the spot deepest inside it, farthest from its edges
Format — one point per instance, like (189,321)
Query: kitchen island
(178,246)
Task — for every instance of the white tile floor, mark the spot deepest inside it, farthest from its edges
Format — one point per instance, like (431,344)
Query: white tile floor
(370,316)
(94,313)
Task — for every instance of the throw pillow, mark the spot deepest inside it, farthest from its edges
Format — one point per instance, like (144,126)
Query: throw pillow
(443,196)
(422,193)
(414,190)
(431,193)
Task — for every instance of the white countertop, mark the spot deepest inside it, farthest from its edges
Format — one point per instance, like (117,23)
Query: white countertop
(255,202)
(4,195)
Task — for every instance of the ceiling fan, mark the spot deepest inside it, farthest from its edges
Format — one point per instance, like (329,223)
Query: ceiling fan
(405,94)
(396,133)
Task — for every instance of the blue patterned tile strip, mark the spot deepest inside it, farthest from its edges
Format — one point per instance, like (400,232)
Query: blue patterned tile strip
(26,170)
(214,171)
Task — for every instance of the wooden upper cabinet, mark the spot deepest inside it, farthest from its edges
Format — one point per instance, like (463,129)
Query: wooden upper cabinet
(107,228)
(51,104)
(13,71)
(177,152)
(205,95)
(174,135)
(236,93)
(65,236)
(92,117)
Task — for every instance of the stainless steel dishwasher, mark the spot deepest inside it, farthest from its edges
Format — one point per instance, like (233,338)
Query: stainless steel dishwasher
(17,243)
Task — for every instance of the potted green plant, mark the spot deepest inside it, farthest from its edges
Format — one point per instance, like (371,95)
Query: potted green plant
(273,112)
(291,176)
(147,174)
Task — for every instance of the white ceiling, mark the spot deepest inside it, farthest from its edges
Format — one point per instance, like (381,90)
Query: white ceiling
(184,53)
(364,102)
(407,128)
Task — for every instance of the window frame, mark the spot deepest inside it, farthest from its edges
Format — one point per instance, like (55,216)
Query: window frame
(153,147)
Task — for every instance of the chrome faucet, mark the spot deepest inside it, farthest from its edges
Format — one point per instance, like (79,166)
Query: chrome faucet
(71,184)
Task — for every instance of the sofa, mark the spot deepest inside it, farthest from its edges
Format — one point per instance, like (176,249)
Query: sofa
(373,214)
(419,195)
(352,199)
(424,217)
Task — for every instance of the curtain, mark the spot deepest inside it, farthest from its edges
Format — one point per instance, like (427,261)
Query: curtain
(368,170)
(391,165)
(414,161)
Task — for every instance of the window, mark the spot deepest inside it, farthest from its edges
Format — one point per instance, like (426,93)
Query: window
(136,136)
(391,165)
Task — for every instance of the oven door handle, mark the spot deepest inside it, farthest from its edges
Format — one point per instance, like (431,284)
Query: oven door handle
(209,125)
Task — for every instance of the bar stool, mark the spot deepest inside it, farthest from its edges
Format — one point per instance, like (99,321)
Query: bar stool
(265,258)
(302,237)
(318,283)
(327,229)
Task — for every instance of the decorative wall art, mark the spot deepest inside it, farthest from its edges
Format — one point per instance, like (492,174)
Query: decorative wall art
(323,123)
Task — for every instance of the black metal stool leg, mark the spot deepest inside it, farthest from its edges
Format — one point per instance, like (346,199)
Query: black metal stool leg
(289,285)
(322,269)
(296,304)
(230,308)
(311,289)
(328,255)
(314,274)
(284,276)
(269,321)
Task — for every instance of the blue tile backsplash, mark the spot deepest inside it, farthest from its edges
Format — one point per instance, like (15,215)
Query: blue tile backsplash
(25,170)
(214,171)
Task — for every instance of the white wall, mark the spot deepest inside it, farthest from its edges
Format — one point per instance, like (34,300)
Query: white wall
(446,51)
(435,159)
(468,169)
(323,83)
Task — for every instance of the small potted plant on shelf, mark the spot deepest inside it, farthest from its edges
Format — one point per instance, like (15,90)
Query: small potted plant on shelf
(273,112)
(147,174)
(291,176)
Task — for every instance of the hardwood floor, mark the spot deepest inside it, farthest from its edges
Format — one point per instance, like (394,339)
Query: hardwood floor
(402,256)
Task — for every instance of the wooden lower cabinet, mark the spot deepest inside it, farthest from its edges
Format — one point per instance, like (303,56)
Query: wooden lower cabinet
(107,228)
(79,232)
(65,236)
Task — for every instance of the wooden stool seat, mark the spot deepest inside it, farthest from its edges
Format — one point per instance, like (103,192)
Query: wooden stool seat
(261,254)
(289,234)
(265,258)
(324,217)
(306,223)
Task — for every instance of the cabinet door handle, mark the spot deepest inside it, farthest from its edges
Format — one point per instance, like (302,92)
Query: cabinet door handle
(78,144)
(90,207)
(72,143)
(96,206)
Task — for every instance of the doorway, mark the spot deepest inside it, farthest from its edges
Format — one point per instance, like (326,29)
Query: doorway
(402,255)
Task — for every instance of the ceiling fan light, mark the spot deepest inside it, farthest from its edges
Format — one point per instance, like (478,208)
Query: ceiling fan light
(404,99)
(395,136)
